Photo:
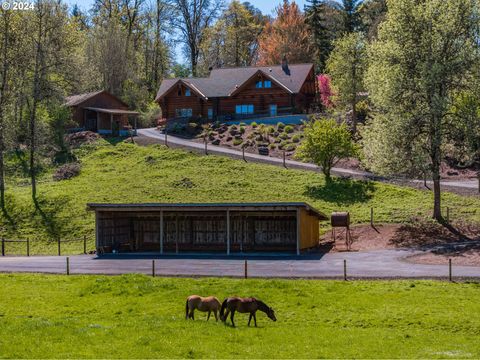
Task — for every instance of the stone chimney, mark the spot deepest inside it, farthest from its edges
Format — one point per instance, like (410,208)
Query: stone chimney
(285,68)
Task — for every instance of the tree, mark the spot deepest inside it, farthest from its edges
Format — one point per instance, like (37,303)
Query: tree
(193,19)
(351,16)
(233,40)
(423,56)
(325,89)
(287,35)
(372,13)
(346,66)
(326,143)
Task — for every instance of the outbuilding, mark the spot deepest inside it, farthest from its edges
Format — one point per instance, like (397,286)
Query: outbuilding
(229,228)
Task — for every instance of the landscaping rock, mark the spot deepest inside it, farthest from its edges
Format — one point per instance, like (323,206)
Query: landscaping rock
(66,171)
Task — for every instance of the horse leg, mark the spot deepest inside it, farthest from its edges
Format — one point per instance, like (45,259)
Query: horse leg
(225,317)
(231,317)
(250,319)
(192,315)
(216,317)
(208,317)
(255,319)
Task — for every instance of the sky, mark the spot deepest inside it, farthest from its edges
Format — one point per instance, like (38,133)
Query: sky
(266,6)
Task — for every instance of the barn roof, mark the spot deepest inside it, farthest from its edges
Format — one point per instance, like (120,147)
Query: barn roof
(223,82)
(75,100)
(209,206)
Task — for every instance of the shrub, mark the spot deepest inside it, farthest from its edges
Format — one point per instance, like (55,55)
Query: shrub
(237,142)
(242,130)
(272,146)
(283,136)
(254,124)
(326,142)
(296,138)
(270,130)
(280,125)
(289,129)
(243,124)
(290,147)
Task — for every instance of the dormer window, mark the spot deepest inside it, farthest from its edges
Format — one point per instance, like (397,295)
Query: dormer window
(267,84)
(259,84)
(187,92)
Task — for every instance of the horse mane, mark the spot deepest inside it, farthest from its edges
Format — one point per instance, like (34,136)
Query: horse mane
(262,306)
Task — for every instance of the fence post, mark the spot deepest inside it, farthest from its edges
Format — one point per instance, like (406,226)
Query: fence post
(58,246)
(206,144)
(85,244)
(284,160)
(153,268)
(450,270)
(28,247)
(166,136)
(345,270)
(246,269)
(243,154)
(3,247)
(68,265)
(371,217)
(478,175)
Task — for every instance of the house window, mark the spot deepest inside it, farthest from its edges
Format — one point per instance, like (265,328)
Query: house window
(210,114)
(244,109)
(183,112)
(267,84)
(187,92)
(259,84)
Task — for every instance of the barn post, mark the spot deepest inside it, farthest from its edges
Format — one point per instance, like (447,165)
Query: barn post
(98,121)
(161,231)
(298,231)
(176,233)
(228,232)
(97,231)
(111,123)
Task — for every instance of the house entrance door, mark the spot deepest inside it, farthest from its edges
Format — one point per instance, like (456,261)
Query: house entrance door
(273,110)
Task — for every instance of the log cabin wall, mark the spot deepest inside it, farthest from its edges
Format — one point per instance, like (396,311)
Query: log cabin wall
(102,100)
(130,231)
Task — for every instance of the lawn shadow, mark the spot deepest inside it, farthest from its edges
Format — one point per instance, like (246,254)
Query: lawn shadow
(49,211)
(342,191)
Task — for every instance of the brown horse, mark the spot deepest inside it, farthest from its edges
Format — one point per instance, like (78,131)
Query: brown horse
(245,305)
(209,304)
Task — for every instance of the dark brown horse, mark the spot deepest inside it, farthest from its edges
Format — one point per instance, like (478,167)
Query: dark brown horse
(245,305)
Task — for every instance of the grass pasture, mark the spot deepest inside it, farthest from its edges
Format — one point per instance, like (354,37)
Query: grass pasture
(121,172)
(134,316)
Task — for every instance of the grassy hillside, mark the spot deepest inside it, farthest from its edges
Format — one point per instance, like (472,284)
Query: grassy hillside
(136,316)
(127,173)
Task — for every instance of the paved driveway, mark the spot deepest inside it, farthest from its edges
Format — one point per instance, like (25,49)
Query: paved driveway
(369,264)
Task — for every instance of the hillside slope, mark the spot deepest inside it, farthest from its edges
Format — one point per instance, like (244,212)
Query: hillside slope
(125,173)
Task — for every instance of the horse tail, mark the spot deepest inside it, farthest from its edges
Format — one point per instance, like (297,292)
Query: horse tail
(186,310)
(222,309)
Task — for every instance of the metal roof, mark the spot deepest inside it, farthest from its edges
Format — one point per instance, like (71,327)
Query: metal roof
(113,111)
(201,206)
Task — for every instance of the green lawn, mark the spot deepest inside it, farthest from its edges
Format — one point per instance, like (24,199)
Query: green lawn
(134,316)
(128,173)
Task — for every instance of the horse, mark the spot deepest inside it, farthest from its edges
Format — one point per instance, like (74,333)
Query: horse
(203,304)
(245,305)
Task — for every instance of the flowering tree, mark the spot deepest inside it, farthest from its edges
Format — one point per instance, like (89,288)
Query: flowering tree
(325,89)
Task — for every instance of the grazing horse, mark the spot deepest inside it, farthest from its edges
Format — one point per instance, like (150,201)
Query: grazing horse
(209,304)
(245,305)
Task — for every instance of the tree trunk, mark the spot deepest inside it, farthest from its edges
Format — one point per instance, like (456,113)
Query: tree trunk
(436,158)
(354,117)
(3,88)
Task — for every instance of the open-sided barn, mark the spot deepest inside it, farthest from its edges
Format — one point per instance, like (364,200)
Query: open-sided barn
(245,227)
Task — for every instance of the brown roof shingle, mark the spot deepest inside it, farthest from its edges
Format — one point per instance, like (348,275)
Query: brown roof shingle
(224,81)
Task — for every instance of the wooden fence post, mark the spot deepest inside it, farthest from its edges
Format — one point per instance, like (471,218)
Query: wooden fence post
(85,244)
(450,270)
(166,136)
(153,268)
(28,247)
(243,154)
(371,217)
(246,269)
(345,270)
(284,160)
(68,265)
(206,144)
(58,246)
(3,247)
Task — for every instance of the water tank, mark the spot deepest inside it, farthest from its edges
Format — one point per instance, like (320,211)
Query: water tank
(340,219)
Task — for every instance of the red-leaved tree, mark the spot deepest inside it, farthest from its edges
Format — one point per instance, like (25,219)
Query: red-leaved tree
(326,92)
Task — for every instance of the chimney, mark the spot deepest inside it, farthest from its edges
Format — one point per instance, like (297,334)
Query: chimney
(285,68)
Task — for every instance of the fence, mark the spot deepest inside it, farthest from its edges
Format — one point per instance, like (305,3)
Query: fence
(27,247)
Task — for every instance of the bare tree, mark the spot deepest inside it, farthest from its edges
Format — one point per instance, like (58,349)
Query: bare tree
(194,17)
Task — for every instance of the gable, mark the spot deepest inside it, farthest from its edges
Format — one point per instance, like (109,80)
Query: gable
(102,99)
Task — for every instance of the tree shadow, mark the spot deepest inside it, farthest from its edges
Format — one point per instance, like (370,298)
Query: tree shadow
(49,211)
(342,191)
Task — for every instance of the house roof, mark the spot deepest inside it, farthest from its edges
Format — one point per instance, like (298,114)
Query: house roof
(223,82)
(113,111)
(210,206)
(75,100)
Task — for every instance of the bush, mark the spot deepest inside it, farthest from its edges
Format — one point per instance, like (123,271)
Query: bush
(237,142)
(272,146)
(283,136)
(280,125)
(254,124)
(290,147)
(270,130)
(242,130)
(326,142)
(296,138)
(67,171)
(243,124)
(289,129)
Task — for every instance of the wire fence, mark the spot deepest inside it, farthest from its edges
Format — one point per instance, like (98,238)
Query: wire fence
(24,247)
